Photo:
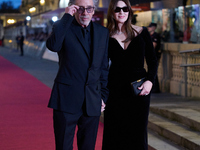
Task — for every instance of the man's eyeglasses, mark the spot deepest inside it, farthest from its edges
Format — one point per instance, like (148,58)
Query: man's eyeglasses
(82,9)
(118,9)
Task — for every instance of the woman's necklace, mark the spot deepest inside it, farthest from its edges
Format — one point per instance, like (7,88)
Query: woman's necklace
(119,32)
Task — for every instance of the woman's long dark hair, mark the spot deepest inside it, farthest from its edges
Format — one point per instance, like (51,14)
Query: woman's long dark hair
(112,25)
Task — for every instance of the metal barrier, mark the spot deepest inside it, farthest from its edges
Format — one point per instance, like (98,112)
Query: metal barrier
(190,51)
(188,65)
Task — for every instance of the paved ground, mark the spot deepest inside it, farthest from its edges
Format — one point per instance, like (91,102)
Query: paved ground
(169,100)
(44,70)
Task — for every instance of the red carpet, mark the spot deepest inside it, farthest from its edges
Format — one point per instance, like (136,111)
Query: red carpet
(26,122)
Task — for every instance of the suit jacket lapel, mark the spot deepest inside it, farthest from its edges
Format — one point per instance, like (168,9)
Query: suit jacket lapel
(95,42)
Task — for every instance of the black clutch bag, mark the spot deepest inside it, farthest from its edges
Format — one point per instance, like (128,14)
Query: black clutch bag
(135,85)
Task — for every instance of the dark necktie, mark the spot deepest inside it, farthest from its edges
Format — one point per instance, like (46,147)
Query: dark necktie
(86,35)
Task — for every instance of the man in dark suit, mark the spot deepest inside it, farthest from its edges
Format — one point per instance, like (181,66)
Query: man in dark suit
(80,88)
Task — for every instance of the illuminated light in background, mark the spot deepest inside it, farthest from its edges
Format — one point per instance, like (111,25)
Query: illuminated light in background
(42,2)
(10,41)
(100,4)
(193,20)
(33,9)
(10,21)
(28,18)
(54,18)
(63,3)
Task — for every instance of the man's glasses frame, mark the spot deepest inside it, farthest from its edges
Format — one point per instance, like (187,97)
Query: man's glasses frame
(118,9)
(82,9)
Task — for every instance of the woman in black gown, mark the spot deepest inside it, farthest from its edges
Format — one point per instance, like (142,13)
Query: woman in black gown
(126,116)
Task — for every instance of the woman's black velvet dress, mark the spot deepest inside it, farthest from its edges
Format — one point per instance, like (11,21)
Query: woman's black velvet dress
(126,116)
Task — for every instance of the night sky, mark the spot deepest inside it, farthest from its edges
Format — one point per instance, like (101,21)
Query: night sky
(16,3)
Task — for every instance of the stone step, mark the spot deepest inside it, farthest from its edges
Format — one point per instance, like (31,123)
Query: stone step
(186,116)
(174,131)
(157,142)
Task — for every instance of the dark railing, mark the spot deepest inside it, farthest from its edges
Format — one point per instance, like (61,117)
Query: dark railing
(188,65)
(190,51)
